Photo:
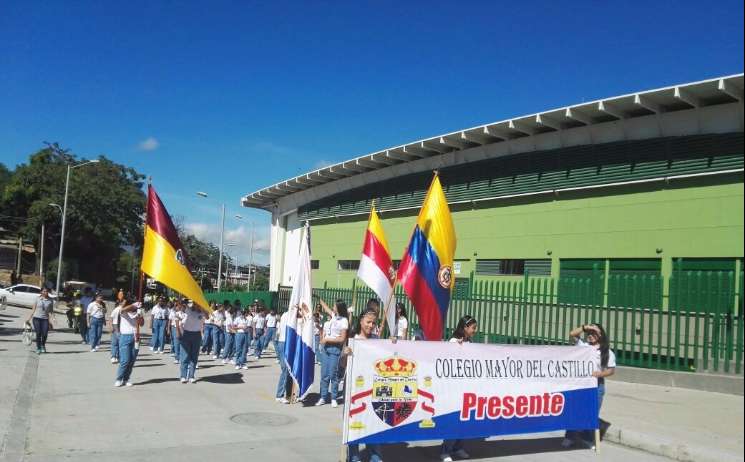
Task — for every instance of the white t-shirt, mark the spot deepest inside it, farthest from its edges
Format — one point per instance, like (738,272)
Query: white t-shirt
(260,322)
(271,321)
(334,327)
(283,326)
(115,316)
(192,320)
(402,326)
(218,318)
(96,311)
(240,324)
(228,321)
(128,323)
(173,316)
(597,359)
(159,312)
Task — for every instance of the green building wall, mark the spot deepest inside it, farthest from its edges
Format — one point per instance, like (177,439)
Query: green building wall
(692,218)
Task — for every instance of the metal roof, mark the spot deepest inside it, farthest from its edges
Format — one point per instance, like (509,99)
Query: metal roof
(721,90)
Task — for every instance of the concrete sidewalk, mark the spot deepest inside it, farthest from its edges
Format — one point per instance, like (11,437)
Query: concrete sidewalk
(62,406)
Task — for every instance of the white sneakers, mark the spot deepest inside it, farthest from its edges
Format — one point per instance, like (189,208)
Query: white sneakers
(175,361)
(283,401)
(446,458)
(214,356)
(129,384)
(114,360)
(334,403)
(118,383)
(237,367)
(224,361)
(321,402)
(192,380)
(183,380)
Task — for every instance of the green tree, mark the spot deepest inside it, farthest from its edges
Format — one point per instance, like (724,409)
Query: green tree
(105,209)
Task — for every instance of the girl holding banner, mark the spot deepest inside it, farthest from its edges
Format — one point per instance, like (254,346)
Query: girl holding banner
(364,329)
(464,332)
(605,366)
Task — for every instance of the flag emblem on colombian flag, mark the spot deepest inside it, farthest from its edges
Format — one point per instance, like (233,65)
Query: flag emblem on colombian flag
(163,256)
(426,271)
(376,268)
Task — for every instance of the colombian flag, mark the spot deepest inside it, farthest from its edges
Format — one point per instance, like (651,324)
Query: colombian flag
(163,256)
(426,271)
(376,267)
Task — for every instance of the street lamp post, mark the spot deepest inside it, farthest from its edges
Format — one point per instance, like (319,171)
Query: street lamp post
(64,221)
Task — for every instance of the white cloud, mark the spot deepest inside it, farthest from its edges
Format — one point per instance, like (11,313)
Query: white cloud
(323,164)
(148,144)
(240,236)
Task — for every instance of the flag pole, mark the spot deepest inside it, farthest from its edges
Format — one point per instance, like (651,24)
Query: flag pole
(144,233)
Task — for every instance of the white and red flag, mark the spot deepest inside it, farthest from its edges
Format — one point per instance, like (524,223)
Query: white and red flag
(376,267)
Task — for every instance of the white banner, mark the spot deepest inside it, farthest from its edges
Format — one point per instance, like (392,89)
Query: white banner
(411,391)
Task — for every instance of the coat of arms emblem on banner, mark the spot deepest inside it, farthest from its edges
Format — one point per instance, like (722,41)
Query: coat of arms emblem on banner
(395,393)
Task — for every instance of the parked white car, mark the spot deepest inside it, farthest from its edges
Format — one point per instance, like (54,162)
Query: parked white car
(20,295)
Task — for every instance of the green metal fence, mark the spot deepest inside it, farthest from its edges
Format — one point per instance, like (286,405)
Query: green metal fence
(698,329)
(246,298)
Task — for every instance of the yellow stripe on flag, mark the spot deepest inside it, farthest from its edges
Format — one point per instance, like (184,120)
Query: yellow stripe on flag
(437,224)
(376,228)
(159,261)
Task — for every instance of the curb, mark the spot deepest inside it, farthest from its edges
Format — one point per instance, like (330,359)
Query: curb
(672,450)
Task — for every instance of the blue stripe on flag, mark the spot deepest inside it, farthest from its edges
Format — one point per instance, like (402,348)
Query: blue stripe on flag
(301,361)
(428,263)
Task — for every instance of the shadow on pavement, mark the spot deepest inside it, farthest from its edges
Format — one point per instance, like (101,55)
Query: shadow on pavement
(146,365)
(66,352)
(160,380)
(479,449)
(225,379)
(9,316)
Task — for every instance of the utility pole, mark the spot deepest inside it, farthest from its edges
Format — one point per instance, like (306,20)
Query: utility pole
(41,256)
(20,256)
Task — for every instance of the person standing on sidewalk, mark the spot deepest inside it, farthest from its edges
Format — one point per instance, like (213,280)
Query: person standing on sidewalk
(190,328)
(240,326)
(284,375)
(115,334)
(464,332)
(96,312)
(218,331)
(271,330)
(159,319)
(605,366)
(227,352)
(129,318)
(207,332)
(175,316)
(85,300)
(333,337)
(259,330)
(42,315)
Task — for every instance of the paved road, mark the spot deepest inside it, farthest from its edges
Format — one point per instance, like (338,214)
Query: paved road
(63,406)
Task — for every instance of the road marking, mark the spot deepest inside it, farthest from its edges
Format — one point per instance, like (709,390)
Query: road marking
(14,443)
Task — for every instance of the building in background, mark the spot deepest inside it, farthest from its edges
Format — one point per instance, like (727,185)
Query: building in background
(638,185)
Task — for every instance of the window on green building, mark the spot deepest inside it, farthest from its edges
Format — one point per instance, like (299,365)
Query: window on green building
(635,283)
(500,267)
(348,265)
(315,264)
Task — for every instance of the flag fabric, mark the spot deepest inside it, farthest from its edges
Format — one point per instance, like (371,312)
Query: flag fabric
(299,342)
(426,270)
(163,255)
(376,266)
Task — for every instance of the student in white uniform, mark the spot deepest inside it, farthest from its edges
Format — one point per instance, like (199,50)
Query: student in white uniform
(175,317)
(96,312)
(259,330)
(364,330)
(271,330)
(159,319)
(333,338)
(227,352)
(218,329)
(283,383)
(605,366)
(402,323)
(115,334)
(464,332)
(128,320)
(240,327)
(190,332)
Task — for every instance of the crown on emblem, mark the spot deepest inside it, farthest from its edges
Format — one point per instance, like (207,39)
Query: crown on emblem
(395,367)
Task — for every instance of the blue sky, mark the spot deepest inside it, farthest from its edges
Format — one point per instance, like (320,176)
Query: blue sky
(229,97)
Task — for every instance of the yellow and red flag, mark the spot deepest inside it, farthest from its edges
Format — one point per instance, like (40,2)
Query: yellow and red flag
(376,267)
(163,256)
